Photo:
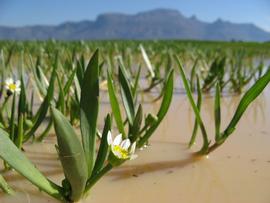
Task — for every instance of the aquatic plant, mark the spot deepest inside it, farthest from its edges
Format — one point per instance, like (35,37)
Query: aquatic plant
(82,166)
(220,136)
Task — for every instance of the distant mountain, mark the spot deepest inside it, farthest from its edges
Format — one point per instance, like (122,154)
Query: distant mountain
(155,24)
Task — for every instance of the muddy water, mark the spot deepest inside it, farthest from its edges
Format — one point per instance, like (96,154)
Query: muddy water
(166,171)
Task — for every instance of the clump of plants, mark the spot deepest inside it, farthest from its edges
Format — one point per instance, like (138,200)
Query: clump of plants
(220,136)
(87,159)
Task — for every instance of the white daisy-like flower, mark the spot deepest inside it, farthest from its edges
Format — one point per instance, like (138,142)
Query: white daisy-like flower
(121,149)
(12,86)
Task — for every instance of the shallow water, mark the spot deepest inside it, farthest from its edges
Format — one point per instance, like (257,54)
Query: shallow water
(166,171)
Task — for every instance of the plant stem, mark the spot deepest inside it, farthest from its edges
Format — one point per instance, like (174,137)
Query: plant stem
(213,147)
(91,182)
(5,187)
(12,119)
(2,119)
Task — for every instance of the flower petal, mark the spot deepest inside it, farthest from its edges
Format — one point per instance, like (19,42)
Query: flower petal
(9,81)
(18,83)
(125,144)
(18,90)
(117,140)
(109,138)
(117,154)
(132,148)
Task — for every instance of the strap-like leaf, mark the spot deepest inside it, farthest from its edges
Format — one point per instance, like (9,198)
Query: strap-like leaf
(246,100)
(61,98)
(70,81)
(199,104)
(136,83)
(103,148)
(166,102)
(5,187)
(44,106)
(135,128)
(89,106)
(71,154)
(147,61)
(22,99)
(193,74)
(193,105)
(115,105)
(19,137)
(12,118)
(126,94)
(18,161)
(217,112)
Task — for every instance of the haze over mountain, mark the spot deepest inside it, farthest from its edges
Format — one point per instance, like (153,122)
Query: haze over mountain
(154,24)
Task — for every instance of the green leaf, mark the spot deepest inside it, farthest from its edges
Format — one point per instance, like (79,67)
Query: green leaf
(80,70)
(89,106)
(115,105)
(147,61)
(71,154)
(45,131)
(103,148)
(135,128)
(199,104)
(217,112)
(37,81)
(19,137)
(77,89)
(167,98)
(18,161)
(193,105)
(69,82)
(216,72)
(22,100)
(5,187)
(12,118)
(61,98)
(136,83)
(126,94)
(193,74)
(246,100)
(42,78)
(44,106)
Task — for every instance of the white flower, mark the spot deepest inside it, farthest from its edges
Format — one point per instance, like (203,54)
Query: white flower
(122,149)
(12,86)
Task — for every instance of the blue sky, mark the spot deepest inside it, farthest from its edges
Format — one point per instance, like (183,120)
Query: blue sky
(30,12)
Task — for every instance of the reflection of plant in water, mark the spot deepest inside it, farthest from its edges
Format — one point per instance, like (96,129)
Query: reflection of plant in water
(82,161)
(220,137)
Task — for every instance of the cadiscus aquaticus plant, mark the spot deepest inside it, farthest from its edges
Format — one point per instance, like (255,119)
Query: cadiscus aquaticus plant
(220,136)
(86,160)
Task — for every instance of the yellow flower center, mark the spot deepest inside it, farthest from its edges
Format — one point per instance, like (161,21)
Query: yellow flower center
(124,153)
(12,87)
